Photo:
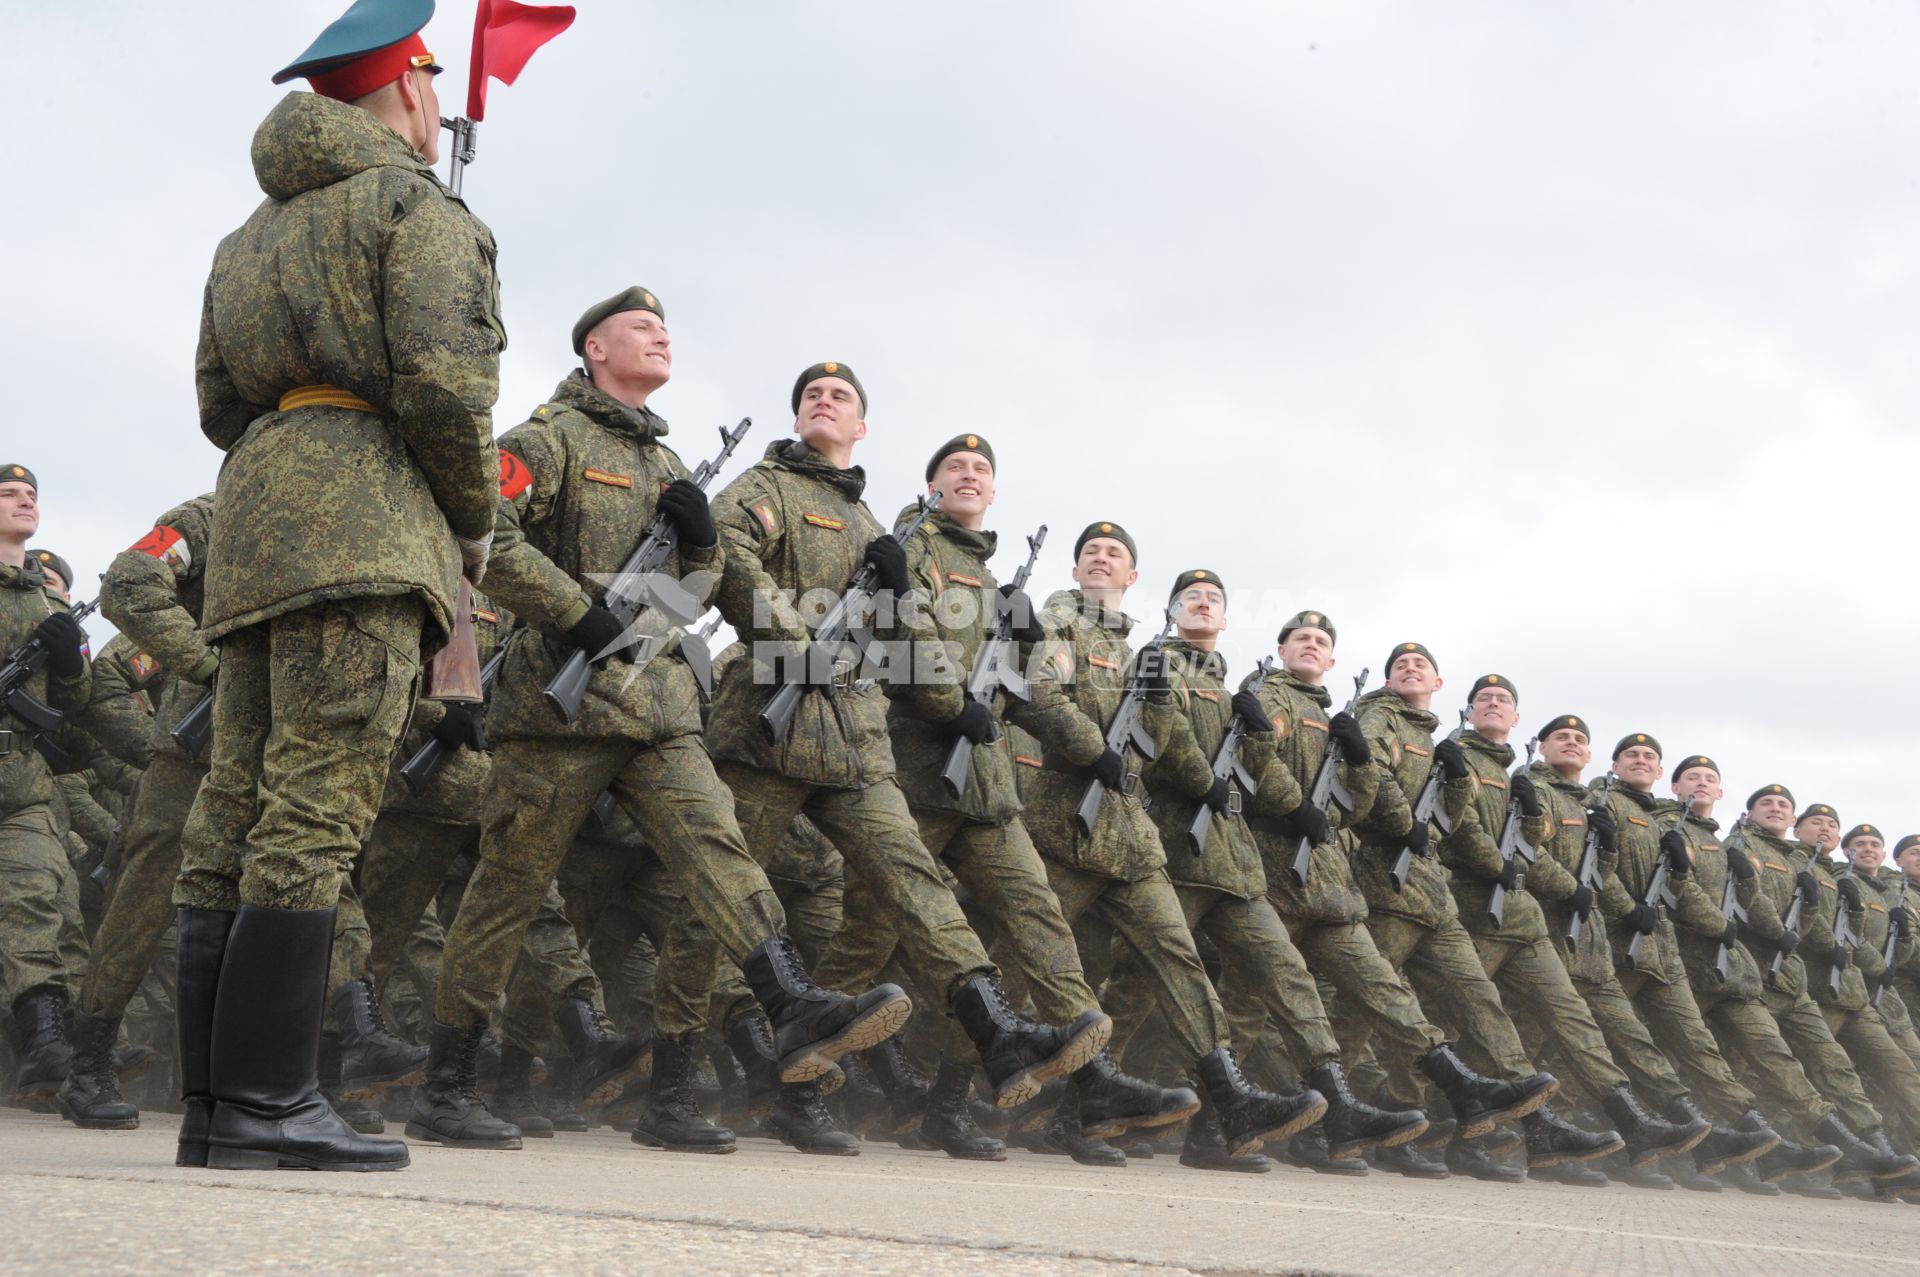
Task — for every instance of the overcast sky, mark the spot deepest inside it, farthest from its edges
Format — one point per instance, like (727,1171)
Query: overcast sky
(1575,341)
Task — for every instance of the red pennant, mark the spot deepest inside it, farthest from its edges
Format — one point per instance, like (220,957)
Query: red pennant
(505,34)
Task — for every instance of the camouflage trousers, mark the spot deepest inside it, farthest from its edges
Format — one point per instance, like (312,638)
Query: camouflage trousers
(1746,1030)
(1882,1065)
(816,911)
(141,908)
(542,793)
(1674,1020)
(1627,1039)
(1148,916)
(1893,1009)
(1809,1035)
(43,944)
(306,711)
(1535,987)
(1259,959)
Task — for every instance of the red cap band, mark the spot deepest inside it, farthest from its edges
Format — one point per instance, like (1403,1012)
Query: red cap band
(362,75)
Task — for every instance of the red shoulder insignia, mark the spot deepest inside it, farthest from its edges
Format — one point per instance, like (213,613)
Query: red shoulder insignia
(515,478)
(763,510)
(165,544)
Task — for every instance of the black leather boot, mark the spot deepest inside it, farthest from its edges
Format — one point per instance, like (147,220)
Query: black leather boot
(46,1056)
(672,1119)
(750,1037)
(372,1060)
(906,1088)
(358,1114)
(949,1125)
(1479,1103)
(800,1119)
(561,1102)
(513,1094)
(1741,1175)
(90,1096)
(1112,1103)
(1648,1137)
(1900,1181)
(602,1059)
(1352,1127)
(1858,1154)
(200,946)
(1472,1157)
(1309,1150)
(1064,1133)
(1620,1167)
(1554,1141)
(447,1107)
(1249,1116)
(268,1110)
(1206,1148)
(1020,1057)
(812,1026)
(1413,1160)
(1787,1158)
(1725,1145)
(1815,1186)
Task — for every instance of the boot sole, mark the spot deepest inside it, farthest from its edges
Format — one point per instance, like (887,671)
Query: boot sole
(867,1030)
(1146,1122)
(1251,1142)
(1071,1058)
(416,1131)
(1392,1139)
(100,1124)
(190,1155)
(1774,1177)
(649,1141)
(999,1156)
(1250,1168)
(1549,1161)
(366,1088)
(260,1159)
(1487,1121)
(1647,1155)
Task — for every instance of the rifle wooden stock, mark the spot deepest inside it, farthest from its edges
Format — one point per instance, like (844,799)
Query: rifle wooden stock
(454,672)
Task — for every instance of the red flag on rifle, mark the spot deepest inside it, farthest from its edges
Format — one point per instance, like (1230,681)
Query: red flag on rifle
(505,34)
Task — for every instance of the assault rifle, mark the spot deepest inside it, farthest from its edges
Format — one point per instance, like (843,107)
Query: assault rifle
(1845,938)
(1427,809)
(820,664)
(1228,767)
(1512,844)
(640,586)
(1792,924)
(27,660)
(1589,873)
(1327,790)
(1126,729)
(1891,946)
(194,732)
(419,770)
(111,859)
(992,674)
(1659,895)
(1730,907)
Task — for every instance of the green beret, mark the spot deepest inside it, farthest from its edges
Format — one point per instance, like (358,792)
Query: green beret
(19,474)
(1111,530)
(1492,680)
(1911,840)
(48,559)
(1402,649)
(1857,831)
(1193,576)
(1574,721)
(1310,621)
(833,368)
(1818,809)
(635,298)
(959,443)
(1766,791)
(1638,738)
(1694,760)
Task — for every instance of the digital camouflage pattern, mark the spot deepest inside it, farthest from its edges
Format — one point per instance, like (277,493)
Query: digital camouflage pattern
(154,592)
(127,685)
(25,779)
(1566,803)
(1707,848)
(1300,715)
(1638,818)
(360,272)
(1822,953)
(1232,862)
(1472,851)
(1401,740)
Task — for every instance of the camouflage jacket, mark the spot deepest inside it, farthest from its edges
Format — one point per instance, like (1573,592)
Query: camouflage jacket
(1566,803)
(459,788)
(1231,862)
(25,779)
(579,482)
(153,591)
(1300,719)
(1698,948)
(1641,819)
(948,565)
(1079,677)
(119,713)
(1822,953)
(1776,861)
(795,530)
(363,273)
(1472,851)
(1401,740)
(1880,890)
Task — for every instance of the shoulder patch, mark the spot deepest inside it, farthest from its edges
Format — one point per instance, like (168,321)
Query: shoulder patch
(142,665)
(167,545)
(515,478)
(1281,726)
(1063,661)
(607,477)
(763,511)
(824,521)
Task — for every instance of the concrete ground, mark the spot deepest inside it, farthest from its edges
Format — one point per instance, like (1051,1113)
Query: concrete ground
(112,1202)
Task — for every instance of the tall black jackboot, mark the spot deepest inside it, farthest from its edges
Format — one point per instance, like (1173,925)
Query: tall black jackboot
(200,946)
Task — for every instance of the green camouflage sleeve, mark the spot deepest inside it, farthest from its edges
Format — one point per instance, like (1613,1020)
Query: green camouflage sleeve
(140,592)
(748,593)
(1180,768)
(1391,813)
(114,717)
(1052,716)
(1258,753)
(1470,848)
(1816,924)
(444,340)
(224,415)
(937,691)
(532,471)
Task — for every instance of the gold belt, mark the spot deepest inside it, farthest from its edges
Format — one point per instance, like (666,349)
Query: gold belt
(323,397)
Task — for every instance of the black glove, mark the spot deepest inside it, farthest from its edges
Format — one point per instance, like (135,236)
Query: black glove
(1149,668)
(1510,876)
(1902,925)
(1673,845)
(1787,943)
(1309,822)
(1842,959)
(1850,895)
(1420,837)
(1451,759)
(1026,618)
(1220,797)
(63,639)
(1740,864)
(462,726)
(1526,795)
(686,508)
(595,632)
(974,721)
(1809,889)
(1601,821)
(1110,770)
(1345,728)
(1643,919)
(1251,713)
(889,560)
(1731,934)
(1581,901)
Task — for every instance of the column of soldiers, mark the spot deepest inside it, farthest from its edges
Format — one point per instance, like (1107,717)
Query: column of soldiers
(993,872)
